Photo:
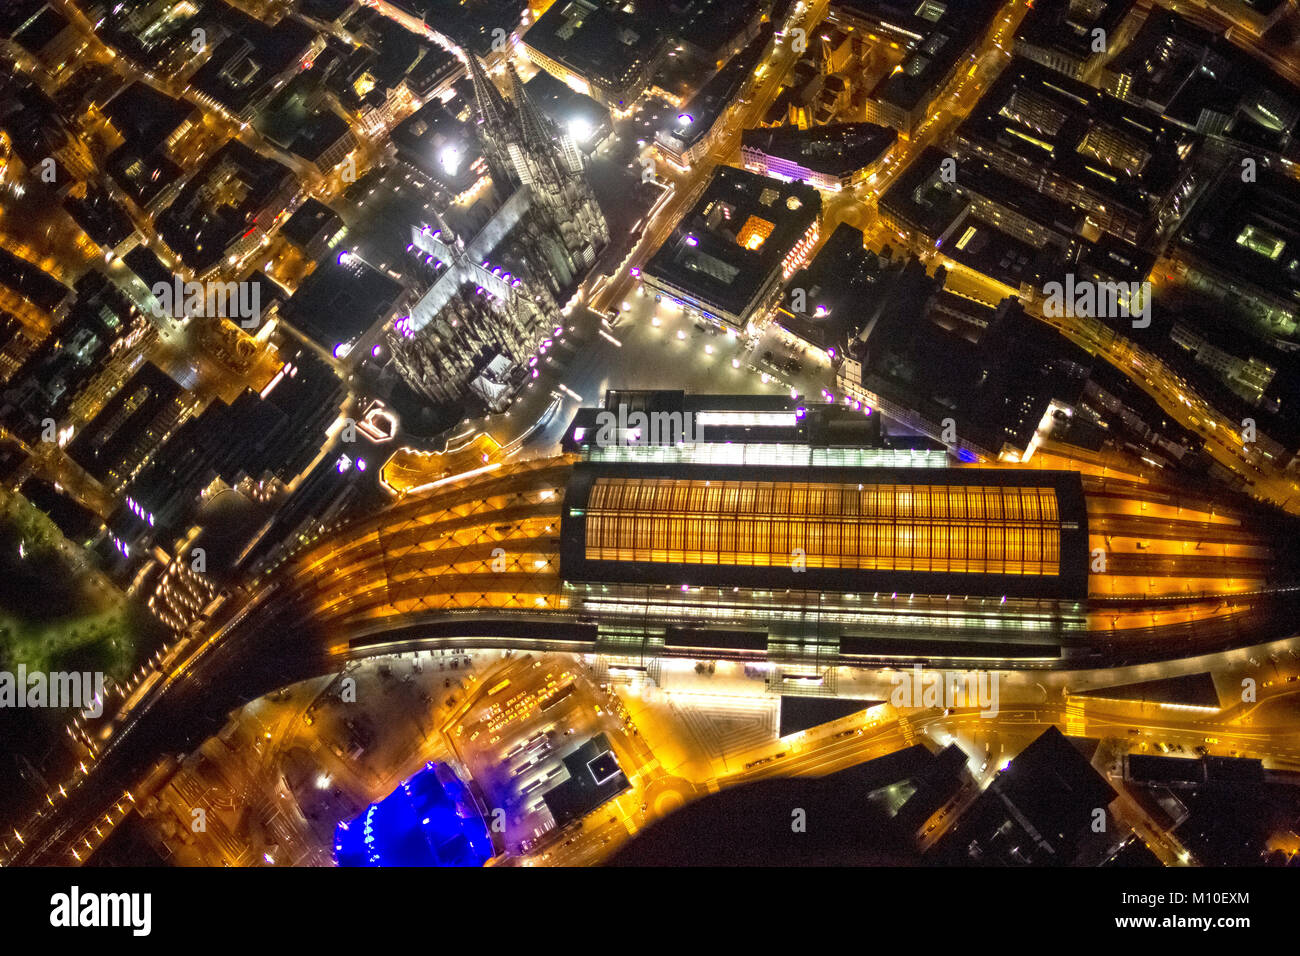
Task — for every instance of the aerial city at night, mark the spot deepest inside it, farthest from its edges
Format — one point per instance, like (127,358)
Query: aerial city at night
(650,433)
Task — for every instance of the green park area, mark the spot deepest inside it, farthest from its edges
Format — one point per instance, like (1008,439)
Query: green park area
(58,612)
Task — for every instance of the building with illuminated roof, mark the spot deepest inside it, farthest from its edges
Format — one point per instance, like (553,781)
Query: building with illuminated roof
(798,537)
(728,256)
(847,529)
(430,820)
(832,157)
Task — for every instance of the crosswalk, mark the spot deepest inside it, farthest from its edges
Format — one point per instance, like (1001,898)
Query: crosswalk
(1075,719)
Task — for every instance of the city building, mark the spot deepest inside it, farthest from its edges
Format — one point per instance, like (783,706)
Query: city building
(838,156)
(603,48)
(1239,246)
(998,392)
(227,209)
(261,440)
(830,300)
(585,121)
(326,142)
(149,120)
(592,777)
(711,112)
(1191,798)
(728,256)
(926,205)
(938,39)
(1130,170)
(34,128)
(152,126)
(430,820)
(133,424)
(101,335)
(314,229)
(28,283)
(344,304)
(1039,811)
(1072,37)
(442,148)
(156,36)
(715,30)
(780,537)
(49,37)
(250,61)
(16,345)
(1236,367)
(1197,78)
(102,219)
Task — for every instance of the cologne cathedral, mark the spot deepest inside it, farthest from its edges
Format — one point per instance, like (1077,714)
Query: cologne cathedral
(494,299)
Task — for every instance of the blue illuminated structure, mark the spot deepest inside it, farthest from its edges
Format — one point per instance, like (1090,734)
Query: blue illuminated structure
(430,820)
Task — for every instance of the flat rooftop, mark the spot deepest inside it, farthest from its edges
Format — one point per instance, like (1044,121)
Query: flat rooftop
(600,41)
(221,203)
(948,32)
(342,299)
(726,248)
(1114,150)
(834,150)
(1250,231)
(1065,27)
(146,117)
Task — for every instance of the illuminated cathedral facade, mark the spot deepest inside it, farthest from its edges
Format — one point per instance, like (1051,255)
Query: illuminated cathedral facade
(493,300)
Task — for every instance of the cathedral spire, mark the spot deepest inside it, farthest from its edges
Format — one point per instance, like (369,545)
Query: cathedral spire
(449,235)
(531,122)
(491,105)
